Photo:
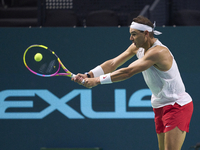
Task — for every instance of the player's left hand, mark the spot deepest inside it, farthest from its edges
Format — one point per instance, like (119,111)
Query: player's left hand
(79,78)
(91,82)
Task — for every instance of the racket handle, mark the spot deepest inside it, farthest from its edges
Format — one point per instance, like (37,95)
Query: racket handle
(83,81)
(73,75)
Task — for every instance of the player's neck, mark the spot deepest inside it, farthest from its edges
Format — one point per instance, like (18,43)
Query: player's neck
(149,43)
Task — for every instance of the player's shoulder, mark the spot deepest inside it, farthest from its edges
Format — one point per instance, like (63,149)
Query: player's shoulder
(159,49)
(158,52)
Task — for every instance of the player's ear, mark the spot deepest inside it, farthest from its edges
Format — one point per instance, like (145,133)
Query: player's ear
(146,32)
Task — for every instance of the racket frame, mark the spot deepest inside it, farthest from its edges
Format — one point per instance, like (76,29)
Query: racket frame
(68,73)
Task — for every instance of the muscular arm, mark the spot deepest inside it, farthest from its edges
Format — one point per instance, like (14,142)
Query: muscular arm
(112,64)
(158,56)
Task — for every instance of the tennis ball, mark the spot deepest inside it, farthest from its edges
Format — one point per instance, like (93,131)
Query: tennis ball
(38,57)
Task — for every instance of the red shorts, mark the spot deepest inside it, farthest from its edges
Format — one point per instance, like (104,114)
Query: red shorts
(171,116)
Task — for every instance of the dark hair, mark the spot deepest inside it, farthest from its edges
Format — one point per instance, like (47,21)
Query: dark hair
(144,20)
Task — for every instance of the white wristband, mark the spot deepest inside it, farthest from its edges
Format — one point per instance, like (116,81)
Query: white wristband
(97,71)
(105,79)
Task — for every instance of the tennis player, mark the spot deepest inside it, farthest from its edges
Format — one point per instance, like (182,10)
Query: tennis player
(173,107)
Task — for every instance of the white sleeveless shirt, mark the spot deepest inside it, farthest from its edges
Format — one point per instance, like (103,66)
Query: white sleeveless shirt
(166,86)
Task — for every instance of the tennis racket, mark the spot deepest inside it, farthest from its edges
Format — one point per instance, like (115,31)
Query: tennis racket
(48,65)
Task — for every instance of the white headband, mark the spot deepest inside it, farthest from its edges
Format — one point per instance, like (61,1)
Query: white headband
(143,27)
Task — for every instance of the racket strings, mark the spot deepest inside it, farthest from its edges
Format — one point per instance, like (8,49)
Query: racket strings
(48,68)
(51,66)
(42,68)
(48,65)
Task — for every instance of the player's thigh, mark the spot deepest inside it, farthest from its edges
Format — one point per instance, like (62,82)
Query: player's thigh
(174,139)
(161,137)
